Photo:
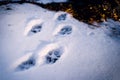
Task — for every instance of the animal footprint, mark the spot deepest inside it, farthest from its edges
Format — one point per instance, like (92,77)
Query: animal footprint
(36,28)
(26,64)
(53,56)
(66,30)
(33,27)
(61,16)
(50,54)
(63,29)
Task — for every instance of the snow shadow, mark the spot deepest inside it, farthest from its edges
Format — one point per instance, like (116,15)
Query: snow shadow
(62,17)
(33,27)
(36,29)
(53,56)
(66,30)
(26,64)
(63,30)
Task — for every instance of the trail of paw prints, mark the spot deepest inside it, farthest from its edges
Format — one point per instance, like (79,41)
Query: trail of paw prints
(50,54)
(63,28)
(35,26)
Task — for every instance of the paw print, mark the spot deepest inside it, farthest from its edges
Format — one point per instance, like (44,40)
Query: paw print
(26,65)
(66,30)
(33,27)
(36,28)
(63,30)
(53,56)
(62,17)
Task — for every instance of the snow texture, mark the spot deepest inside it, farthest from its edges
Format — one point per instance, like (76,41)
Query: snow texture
(49,1)
(40,1)
(38,44)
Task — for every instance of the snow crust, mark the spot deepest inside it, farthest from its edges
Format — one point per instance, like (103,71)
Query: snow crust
(41,1)
(54,52)
(50,1)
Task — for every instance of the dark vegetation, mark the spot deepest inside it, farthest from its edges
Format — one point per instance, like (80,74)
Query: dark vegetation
(84,10)
(89,10)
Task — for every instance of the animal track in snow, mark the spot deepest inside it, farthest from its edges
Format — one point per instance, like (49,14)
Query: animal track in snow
(36,28)
(63,29)
(26,64)
(33,27)
(53,56)
(66,30)
(50,54)
(61,16)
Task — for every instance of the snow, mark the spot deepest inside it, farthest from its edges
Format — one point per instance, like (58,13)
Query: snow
(41,1)
(62,48)
(31,26)
(49,1)
(63,29)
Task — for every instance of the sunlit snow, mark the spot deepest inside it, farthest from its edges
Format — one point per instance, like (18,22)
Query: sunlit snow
(38,44)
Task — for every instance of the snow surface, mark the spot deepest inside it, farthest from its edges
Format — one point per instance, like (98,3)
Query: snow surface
(41,1)
(49,1)
(59,48)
